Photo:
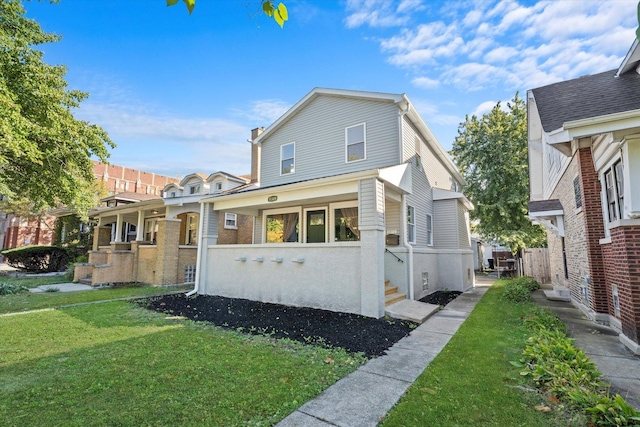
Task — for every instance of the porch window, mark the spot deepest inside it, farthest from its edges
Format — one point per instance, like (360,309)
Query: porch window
(355,143)
(191,234)
(429,230)
(287,158)
(282,227)
(346,224)
(411,224)
(150,230)
(230,220)
(614,187)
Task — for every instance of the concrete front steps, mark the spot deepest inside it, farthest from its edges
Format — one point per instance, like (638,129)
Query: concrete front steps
(559,293)
(399,307)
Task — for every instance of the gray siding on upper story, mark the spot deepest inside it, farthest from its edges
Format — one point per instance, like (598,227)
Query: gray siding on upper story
(318,131)
(438,175)
(421,199)
(445,224)
(464,238)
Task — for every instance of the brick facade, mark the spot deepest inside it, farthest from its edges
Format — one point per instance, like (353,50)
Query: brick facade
(243,234)
(118,179)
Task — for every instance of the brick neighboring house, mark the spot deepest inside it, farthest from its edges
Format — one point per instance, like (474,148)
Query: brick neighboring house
(154,240)
(584,165)
(17,231)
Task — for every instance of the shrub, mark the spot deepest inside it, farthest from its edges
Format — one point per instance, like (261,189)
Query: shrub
(614,412)
(543,318)
(517,293)
(37,259)
(9,289)
(528,282)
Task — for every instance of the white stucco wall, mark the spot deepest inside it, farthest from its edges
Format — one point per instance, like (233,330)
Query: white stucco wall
(455,270)
(425,261)
(329,277)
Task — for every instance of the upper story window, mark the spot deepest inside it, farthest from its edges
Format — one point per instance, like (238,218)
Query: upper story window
(194,189)
(355,143)
(217,186)
(614,188)
(287,158)
(411,224)
(172,194)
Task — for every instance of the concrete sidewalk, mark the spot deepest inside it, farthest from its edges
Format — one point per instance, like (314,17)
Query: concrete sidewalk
(62,287)
(363,397)
(621,368)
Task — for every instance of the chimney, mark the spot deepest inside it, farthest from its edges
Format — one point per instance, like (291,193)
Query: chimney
(255,155)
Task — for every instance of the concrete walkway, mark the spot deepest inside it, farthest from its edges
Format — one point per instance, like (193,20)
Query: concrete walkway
(62,287)
(363,397)
(621,368)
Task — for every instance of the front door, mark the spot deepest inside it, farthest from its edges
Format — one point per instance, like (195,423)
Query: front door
(316,230)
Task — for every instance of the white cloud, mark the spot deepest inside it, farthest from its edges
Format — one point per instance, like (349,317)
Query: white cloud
(379,13)
(425,82)
(267,111)
(501,54)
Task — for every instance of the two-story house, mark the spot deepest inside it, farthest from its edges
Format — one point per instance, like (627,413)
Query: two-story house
(584,165)
(348,190)
(154,240)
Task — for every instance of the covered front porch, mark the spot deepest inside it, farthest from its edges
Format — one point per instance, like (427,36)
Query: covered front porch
(328,243)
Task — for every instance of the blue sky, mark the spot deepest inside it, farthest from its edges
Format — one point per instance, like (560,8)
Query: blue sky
(180,94)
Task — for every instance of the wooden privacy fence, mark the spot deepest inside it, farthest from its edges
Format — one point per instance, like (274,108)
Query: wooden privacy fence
(535,263)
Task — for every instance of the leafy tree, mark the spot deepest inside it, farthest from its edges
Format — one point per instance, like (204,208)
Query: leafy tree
(279,14)
(491,152)
(45,153)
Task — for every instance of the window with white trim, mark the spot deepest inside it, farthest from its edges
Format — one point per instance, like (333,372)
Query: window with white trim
(614,191)
(355,143)
(287,158)
(429,230)
(191,231)
(411,224)
(230,220)
(282,226)
(194,189)
(345,222)
(217,186)
(577,192)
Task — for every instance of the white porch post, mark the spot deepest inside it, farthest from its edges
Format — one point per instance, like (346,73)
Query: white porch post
(372,244)
(140,227)
(208,235)
(119,224)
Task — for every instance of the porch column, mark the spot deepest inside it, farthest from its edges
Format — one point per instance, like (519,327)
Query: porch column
(140,227)
(372,244)
(208,235)
(119,224)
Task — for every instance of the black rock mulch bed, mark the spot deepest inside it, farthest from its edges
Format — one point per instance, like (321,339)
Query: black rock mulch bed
(354,333)
(441,297)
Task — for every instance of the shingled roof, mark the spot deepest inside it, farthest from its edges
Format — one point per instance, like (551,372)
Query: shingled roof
(586,97)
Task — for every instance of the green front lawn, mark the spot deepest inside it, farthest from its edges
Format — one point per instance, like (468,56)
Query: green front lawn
(33,301)
(33,281)
(471,382)
(116,364)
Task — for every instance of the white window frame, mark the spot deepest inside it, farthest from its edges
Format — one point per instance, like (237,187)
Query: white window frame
(196,219)
(294,209)
(429,230)
(347,144)
(326,223)
(194,189)
(293,167)
(332,219)
(411,237)
(230,216)
(217,186)
(617,198)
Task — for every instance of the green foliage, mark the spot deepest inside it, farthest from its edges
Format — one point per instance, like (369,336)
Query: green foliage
(37,259)
(10,289)
(45,153)
(518,291)
(491,153)
(73,234)
(528,282)
(280,14)
(543,318)
(614,412)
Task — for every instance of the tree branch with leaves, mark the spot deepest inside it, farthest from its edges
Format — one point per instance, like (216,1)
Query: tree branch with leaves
(491,153)
(280,13)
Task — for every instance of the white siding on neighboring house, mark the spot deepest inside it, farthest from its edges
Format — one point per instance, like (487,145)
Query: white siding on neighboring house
(445,224)
(464,237)
(319,133)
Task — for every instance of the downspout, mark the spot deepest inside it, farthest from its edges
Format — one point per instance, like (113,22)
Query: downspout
(405,242)
(199,251)
(407,245)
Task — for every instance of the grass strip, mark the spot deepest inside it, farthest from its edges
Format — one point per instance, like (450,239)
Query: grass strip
(117,364)
(33,281)
(471,382)
(34,301)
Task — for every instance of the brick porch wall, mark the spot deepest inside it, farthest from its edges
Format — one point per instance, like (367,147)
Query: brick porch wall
(242,235)
(622,268)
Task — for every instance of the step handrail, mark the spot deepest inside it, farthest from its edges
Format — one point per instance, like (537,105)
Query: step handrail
(396,256)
